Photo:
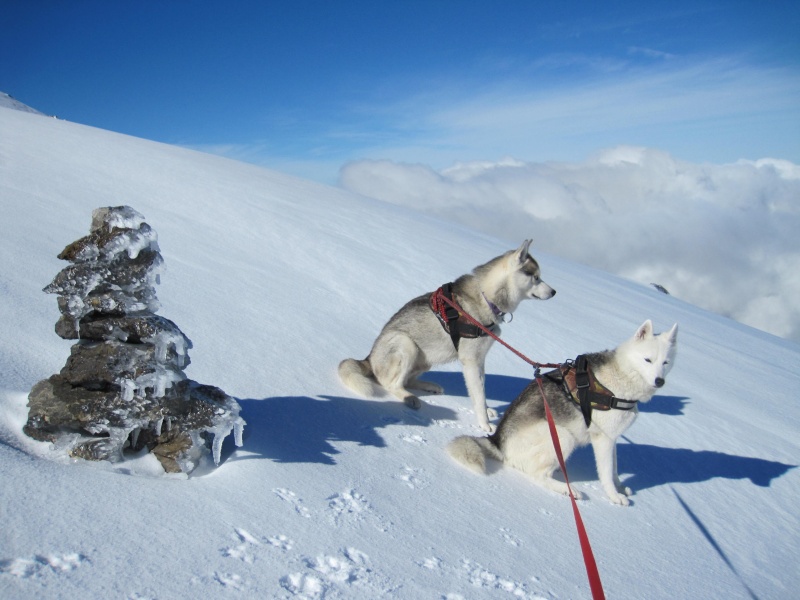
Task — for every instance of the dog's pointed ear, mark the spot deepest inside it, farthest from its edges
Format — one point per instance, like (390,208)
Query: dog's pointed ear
(645,331)
(521,255)
(672,334)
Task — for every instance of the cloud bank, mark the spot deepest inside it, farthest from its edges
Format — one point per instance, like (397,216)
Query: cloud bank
(723,237)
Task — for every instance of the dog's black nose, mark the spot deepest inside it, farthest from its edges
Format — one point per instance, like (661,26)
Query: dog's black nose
(554,293)
(659,381)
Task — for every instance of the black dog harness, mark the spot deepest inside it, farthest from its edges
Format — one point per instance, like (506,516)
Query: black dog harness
(449,317)
(579,383)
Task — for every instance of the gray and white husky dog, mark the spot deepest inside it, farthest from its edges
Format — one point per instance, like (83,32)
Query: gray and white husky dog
(419,337)
(629,374)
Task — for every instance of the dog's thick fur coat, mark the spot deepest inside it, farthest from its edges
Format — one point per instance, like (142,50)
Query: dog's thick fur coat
(413,340)
(633,371)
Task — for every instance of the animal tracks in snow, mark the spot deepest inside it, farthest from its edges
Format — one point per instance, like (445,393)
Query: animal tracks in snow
(41,564)
(281,542)
(447,424)
(248,549)
(334,573)
(329,574)
(413,478)
(291,498)
(481,577)
(242,550)
(351,507)
(230,580)
(509,537)
(325,575)
(414,439)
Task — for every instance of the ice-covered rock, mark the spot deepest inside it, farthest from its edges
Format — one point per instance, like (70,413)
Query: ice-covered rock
(123,388)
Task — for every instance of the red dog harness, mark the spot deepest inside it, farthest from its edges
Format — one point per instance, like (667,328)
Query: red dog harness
(450,317)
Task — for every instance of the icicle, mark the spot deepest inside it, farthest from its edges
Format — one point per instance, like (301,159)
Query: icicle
(161,346)
(180,349)
(135,437)
(160,384)
(117,436)
(238,429)
(233,423)
(127,388)
(159,423)
(216,447)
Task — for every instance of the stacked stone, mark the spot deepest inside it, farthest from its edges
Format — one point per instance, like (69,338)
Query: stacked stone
(123,388)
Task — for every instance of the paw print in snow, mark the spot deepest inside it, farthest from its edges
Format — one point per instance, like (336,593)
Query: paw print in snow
(241,551)
(26,568)
(509,537)
(412,478)
(415,439)
(295,502)
(281,542)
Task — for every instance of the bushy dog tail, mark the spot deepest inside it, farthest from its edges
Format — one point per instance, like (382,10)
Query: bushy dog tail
(473,451)
(358,376)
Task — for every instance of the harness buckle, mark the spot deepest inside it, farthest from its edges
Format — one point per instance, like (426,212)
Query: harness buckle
(450,314)
(581,372)
(581,379)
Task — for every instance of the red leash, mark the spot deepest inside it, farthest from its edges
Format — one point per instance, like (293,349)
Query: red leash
(588,556)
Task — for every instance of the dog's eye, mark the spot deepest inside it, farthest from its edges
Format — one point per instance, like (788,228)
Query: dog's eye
(647,360)
(666,362)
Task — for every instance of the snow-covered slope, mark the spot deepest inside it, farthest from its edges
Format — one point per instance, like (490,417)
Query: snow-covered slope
(7,101)
(276,280)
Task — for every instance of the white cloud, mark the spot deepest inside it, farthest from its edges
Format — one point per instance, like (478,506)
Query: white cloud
(522,115)
(650,53)
(723,237)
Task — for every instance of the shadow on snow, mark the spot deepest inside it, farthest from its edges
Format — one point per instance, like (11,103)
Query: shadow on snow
(300,429)
(297,429)
(505,388)
(641,466)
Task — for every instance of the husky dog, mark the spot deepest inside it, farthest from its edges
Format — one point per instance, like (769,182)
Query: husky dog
(617,380)
(427,332)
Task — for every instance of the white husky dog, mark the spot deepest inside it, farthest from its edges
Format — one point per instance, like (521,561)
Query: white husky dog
(615,381)
(427,332)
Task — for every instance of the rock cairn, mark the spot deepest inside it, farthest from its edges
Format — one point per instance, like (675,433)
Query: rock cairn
(123,387)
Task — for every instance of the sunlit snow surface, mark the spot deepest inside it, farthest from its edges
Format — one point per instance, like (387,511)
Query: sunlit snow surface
(275,280)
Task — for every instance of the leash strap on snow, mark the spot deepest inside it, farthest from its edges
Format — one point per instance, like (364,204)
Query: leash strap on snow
(586,548)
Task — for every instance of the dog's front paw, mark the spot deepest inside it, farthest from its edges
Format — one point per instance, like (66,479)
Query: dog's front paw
(488,427)
(620,499)
(492,413)
(577,494)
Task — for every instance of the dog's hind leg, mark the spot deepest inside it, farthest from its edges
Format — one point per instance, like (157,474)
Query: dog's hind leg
(531,451)
(395,366)
(425,386)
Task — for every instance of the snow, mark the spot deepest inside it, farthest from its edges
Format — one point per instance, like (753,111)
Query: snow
(275,280)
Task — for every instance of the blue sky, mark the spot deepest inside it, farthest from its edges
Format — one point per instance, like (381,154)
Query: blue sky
(307,86)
